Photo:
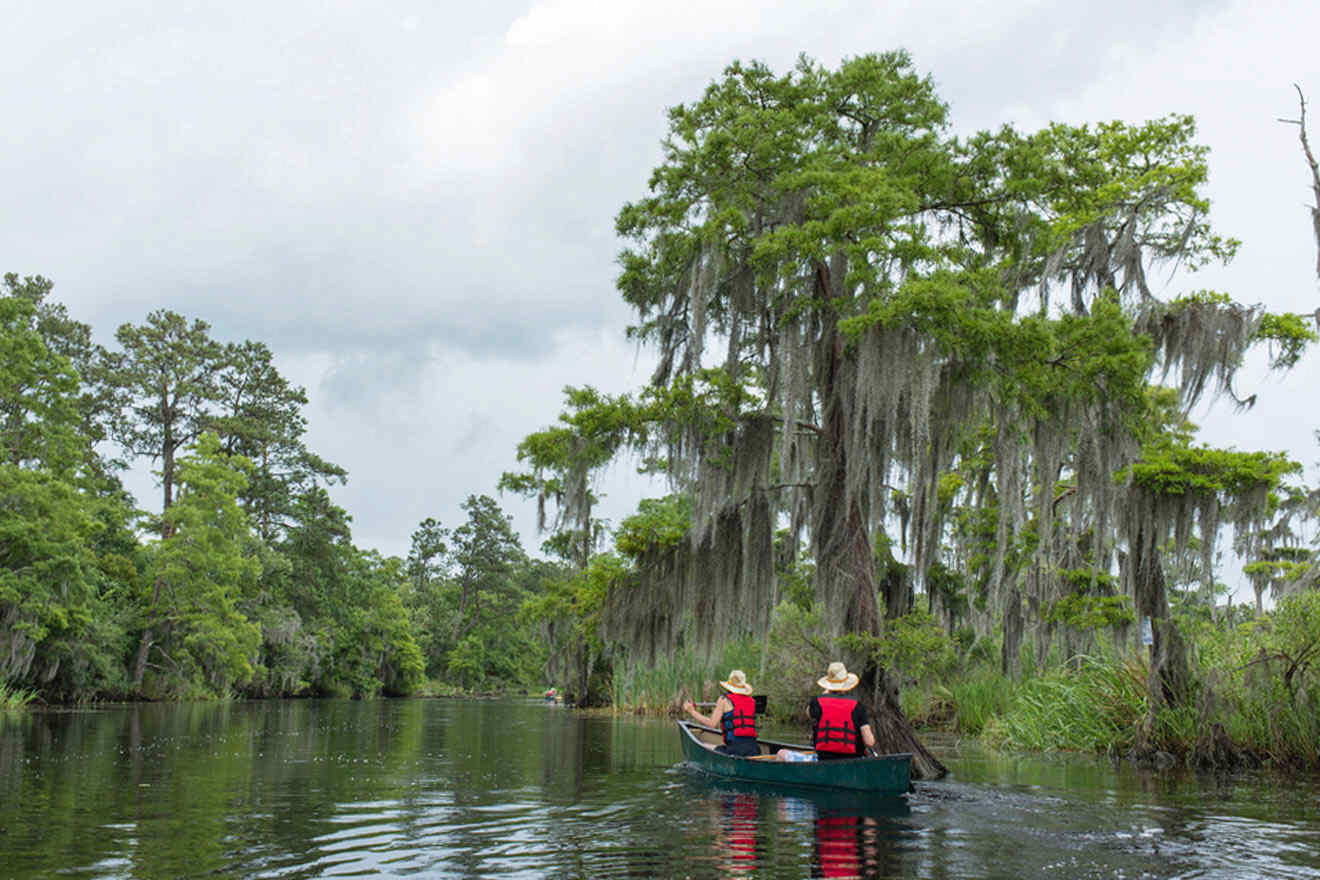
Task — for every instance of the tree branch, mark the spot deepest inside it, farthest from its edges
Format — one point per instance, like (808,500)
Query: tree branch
(1300,122)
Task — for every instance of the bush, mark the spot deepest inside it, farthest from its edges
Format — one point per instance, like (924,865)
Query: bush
(916,648)
(799,653)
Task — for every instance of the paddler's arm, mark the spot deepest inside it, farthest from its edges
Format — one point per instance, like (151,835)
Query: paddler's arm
(716,714)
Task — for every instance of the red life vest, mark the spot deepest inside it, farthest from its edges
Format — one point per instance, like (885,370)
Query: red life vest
(741,722)
(834,729)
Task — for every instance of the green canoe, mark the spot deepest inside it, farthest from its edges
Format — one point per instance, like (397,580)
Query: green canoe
(885,775)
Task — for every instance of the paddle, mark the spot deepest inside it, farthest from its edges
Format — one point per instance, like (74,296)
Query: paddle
(758,698)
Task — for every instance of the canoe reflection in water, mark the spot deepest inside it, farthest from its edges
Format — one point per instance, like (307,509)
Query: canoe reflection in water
(739,823)
(845,846)
(841,834)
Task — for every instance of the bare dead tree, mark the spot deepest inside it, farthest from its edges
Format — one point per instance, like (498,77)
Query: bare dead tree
(1300,122)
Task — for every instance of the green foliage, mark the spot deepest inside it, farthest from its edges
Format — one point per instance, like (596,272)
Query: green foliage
(1258,675)
(974,527)
(579,597)
(40,421)
(258,414)
(202,570)
(1255,679)
(467,662)
(1291,636)
(1153,165)
(1278,569)
(382,633)
(662,687)
(706,406)
(48,572)
(428,555)
(289,653)
(950,585)
(795,573)
(1084,611)
(15,698)
(916,646)
(1181,469)
(1287,336)
(948,486)
(659,523)
(565,461)
(485,556)
(254,585)
(165,382)
(800,650)
(465,600)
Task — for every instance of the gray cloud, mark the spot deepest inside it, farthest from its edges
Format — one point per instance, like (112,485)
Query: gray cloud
(413,205)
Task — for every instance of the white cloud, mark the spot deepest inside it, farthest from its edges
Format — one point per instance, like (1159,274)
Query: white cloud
(419,205)
(468,127)
(550,23)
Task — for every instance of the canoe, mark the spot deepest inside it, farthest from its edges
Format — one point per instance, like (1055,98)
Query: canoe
(886,775)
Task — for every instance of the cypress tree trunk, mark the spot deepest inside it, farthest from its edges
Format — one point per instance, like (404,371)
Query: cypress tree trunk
(1168,681)
(140,665)
(1169,674)
(846,582)
(1011,657)
(148,636)
(877,689)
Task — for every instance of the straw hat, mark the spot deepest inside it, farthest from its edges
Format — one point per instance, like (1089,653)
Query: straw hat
(737,683)
(838,678)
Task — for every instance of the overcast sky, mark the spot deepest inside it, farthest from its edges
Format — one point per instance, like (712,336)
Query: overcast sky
(412,203)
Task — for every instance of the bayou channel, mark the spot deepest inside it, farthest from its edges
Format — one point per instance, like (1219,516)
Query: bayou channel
(518,788)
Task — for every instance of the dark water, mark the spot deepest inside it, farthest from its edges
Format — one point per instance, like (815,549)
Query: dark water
(511,789)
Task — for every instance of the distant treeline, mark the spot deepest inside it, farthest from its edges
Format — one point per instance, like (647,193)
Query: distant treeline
(242,578)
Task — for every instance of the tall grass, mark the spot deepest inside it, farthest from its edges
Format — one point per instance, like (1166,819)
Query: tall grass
(1099,703)
(1274,726)
(660,689)
(982,695)
(15,698)
(1091,703)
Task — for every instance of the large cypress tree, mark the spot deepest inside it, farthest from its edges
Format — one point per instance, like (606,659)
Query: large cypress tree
(849,303)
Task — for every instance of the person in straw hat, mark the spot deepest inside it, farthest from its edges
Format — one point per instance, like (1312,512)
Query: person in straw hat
(734,714)
(840,727)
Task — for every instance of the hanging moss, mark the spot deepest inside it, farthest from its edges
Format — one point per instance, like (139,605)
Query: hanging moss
(1203,337)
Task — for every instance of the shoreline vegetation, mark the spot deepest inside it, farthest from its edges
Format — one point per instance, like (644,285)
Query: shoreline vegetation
(918,408)
(1096,704)
(1242,713)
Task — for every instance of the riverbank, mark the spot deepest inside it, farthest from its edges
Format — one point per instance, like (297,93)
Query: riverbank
(1098,705)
